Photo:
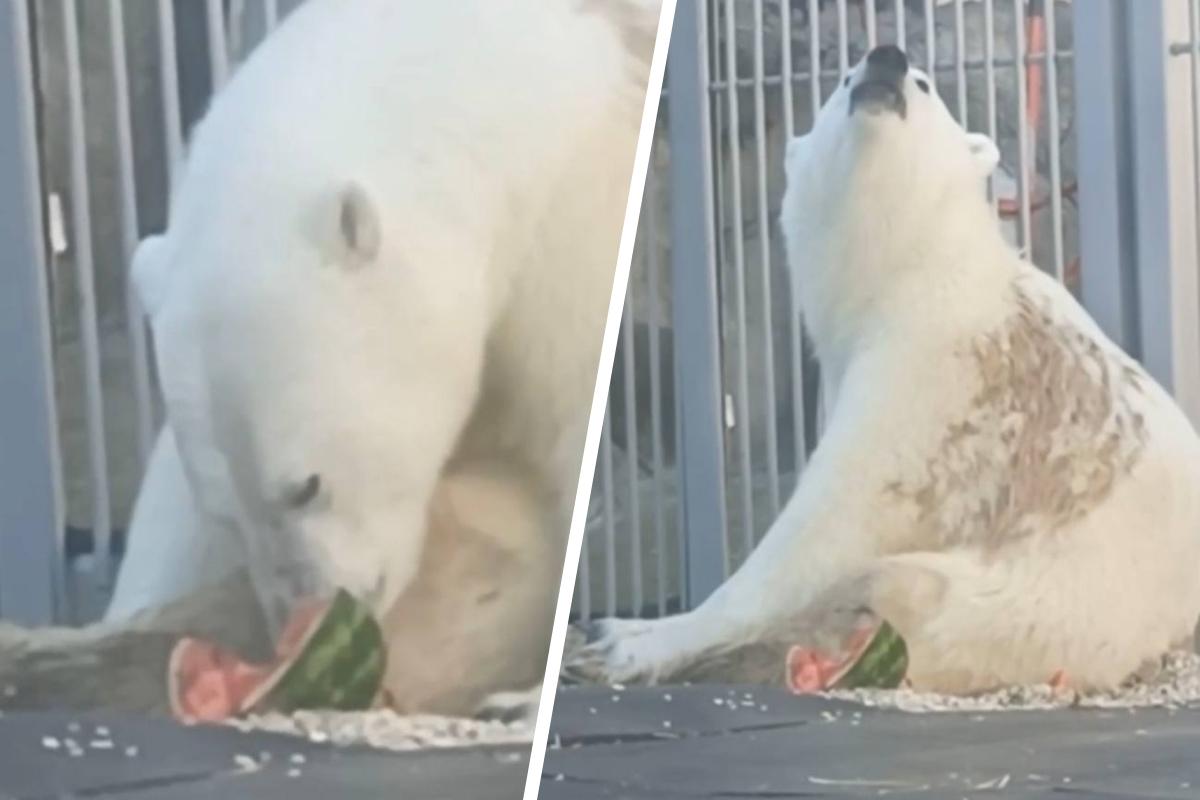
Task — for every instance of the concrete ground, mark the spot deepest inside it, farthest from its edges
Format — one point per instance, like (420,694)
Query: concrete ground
(739,742)
(55,755)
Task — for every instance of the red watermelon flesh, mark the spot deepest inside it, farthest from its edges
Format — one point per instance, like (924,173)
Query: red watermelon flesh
(209,683)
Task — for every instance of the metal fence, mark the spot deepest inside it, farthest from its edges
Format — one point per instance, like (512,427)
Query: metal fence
(96,99)
(713,408)
(714,405)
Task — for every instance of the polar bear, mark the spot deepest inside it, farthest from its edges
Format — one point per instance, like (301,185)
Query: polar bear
(997,479)
(384,281)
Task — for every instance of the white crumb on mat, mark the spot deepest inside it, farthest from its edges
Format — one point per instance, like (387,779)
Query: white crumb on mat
(388,730)
(1176,685)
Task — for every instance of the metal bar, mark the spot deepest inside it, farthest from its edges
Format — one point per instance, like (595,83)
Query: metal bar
(610,514)
(1103,111)
(742,391)
(85,276)
(872,24)
(271,14)
(169,81)
(901,33)
(1023,176)
(814,57)
(1194,83)
(960,62)
(31,516)
(139,355)
(764,243)
(218,44)
(650,242)
(989,57)
(787,85)
(1052,126)
(930,39)
(235,30)
(843,21)
(1163,205)
(699,439)
(717,113)
(631,453)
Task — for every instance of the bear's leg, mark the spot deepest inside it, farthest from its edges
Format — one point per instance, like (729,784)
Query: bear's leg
(123,665)
(476,620)
(839,519)
(171,550)
(976,621)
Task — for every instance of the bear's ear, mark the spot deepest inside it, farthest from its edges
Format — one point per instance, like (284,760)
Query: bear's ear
(357,226)
(984,153)
(150,273)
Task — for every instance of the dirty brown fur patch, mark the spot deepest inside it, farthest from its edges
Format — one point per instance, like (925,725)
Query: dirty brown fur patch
(1049,432)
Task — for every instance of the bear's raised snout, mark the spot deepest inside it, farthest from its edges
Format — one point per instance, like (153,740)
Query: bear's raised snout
(888,59)
(880,88)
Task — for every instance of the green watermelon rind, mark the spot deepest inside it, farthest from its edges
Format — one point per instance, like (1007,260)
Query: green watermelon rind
(339,665)
(882,663)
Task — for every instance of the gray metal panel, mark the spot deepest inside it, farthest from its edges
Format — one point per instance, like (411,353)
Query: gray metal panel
(30,513)
(1105,171)
(701,449)
(1146,65)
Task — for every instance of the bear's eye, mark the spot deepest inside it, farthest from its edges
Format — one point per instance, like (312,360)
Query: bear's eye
(923,85)
(847,81)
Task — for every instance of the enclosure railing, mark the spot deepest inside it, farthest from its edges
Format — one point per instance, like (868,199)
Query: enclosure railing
(1097,186)
(715,399)
(96,99)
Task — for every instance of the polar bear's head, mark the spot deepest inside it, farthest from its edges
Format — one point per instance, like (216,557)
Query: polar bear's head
(318,350)
(885,175)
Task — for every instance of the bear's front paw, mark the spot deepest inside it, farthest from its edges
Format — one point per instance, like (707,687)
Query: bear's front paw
(611,651)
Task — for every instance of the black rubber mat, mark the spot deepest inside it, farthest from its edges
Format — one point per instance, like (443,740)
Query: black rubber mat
(737,742)
(53,755)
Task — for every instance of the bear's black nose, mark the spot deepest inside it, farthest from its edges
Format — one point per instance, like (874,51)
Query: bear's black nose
(880,85)
(888,59)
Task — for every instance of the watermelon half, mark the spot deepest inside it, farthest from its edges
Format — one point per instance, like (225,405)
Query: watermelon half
(331,657)
(878,663)
(876,659)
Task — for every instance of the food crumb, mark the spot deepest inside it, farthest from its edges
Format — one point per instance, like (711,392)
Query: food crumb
(50,743)
(246,763)
(1176,685)
(386,729)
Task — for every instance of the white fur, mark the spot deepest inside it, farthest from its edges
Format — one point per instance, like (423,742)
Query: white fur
(901,272)
(390,256)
